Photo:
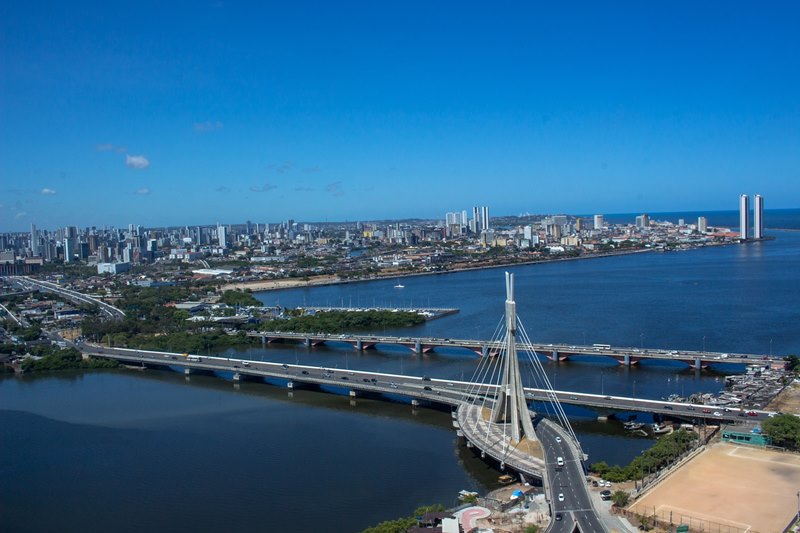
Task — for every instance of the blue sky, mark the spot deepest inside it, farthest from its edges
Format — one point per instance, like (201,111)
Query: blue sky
(168,113)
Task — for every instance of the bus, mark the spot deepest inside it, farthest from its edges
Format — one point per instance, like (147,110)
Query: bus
(602,346)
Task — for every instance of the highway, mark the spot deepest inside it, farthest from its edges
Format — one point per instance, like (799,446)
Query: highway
(441,390)
(569,481)
(13,317)
(69,294)
(624,355)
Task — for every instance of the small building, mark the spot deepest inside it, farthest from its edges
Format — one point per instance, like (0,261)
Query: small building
(113,268)
(738,435)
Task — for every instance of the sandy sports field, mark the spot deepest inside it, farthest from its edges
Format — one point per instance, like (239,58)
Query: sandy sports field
(744,488)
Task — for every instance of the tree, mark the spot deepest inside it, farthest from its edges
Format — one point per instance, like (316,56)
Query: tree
(784,430)
(792,362)
(620,498)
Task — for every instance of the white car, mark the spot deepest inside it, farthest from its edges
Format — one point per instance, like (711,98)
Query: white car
(608,483)
(717,413)
(558,439)
(561,496)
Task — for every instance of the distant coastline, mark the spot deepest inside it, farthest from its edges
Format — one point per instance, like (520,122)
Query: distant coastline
(320,281)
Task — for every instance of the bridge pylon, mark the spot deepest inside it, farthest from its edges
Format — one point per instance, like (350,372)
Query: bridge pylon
(510,406)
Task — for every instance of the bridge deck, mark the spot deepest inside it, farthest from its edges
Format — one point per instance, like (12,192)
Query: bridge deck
(489,438)
(625,355)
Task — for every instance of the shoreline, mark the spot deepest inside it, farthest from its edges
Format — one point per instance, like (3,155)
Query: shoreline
(289,283)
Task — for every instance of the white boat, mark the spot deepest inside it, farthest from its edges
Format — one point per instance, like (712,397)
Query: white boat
(399,285)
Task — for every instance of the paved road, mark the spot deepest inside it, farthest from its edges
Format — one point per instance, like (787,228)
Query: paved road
(568,482)
(69,294)
(446,391)
(564,350)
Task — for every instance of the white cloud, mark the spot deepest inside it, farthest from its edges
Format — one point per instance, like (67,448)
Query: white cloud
(144,191)
(20,214)
(266,187)
(48,191)
(202,127)
(108,147)
(334,189)
(138,162)
(281,168)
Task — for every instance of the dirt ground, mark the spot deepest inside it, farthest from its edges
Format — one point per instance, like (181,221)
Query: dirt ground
(289,283)
(788,401)
(746,488)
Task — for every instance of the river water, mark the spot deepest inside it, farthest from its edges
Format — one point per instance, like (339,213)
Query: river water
(129,450)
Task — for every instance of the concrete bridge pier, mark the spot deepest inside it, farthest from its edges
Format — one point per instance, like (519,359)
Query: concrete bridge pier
(353,394)
(263,340)
(237,377)
(415,403)
(554,356)
(187,371)
(698,364)
(308,342)
(418,346)
(484,351)
(290,385)
(359,346)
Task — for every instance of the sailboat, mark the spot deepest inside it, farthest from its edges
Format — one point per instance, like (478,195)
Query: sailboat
(399,285)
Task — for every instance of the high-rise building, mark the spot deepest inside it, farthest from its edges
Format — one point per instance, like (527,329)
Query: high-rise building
(642,221)
(744,216)
(484,218)
(222,236)
(69,249)
(34,240)
(598,222)
(702,224)
(758,216)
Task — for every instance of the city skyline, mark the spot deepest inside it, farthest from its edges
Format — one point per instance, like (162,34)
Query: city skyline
(267,113)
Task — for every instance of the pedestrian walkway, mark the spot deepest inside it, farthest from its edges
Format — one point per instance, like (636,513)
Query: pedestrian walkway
(469,516)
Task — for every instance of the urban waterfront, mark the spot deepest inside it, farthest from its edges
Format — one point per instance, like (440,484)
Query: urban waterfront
(158,451)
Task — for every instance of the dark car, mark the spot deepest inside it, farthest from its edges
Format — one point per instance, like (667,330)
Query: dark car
(305,372)
(345,377)
(559,517)
(427,388)
(690,408)
(425,378)
(605,494)
(365,380)
(668,407)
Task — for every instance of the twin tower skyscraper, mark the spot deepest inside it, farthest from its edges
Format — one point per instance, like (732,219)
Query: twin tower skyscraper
(744,216)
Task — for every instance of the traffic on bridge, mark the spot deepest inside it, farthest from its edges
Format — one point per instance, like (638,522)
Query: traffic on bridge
(558,352)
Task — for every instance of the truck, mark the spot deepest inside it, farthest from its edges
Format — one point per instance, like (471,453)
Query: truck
(194,358)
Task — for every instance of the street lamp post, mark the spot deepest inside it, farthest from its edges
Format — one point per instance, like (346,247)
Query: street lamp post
(704,344)
(641,341)
(770,347)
